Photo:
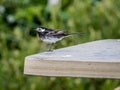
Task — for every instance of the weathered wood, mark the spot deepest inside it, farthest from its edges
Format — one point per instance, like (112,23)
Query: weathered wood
(97,59)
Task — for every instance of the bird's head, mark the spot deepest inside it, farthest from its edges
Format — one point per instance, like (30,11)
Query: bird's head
(40,29)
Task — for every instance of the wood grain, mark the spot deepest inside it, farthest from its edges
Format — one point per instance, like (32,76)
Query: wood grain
(97,59)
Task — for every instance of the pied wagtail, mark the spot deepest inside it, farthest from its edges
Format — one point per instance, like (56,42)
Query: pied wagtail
(52,36)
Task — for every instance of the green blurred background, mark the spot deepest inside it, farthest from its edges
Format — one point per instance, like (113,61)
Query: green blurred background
(99,19)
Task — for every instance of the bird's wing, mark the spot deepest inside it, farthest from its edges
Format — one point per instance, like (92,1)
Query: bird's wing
(55,32)
(60,32)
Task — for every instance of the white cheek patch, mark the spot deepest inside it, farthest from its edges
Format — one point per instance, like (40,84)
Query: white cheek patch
(42,30)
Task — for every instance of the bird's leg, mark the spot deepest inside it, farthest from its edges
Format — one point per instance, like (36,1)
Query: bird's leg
(50,47)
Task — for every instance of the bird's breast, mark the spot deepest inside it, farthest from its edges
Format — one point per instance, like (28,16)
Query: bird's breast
(50,39)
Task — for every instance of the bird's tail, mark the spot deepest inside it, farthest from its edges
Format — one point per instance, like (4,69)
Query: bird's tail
(78,33)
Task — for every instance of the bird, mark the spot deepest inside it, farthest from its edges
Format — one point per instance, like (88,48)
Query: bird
(52,36)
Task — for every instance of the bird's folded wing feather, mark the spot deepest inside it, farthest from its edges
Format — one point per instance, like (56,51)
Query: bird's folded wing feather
(59,32)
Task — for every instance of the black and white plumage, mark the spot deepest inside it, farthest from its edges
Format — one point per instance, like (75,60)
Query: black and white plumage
(52,36)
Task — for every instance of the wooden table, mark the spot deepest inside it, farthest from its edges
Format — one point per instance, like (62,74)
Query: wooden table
(97,59)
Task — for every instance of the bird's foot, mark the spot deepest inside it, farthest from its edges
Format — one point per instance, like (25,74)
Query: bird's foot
(49,50)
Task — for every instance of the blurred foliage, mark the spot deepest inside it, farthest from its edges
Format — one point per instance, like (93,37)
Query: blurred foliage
(99,19)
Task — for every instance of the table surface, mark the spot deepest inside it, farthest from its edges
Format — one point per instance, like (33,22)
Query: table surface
(93,59)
